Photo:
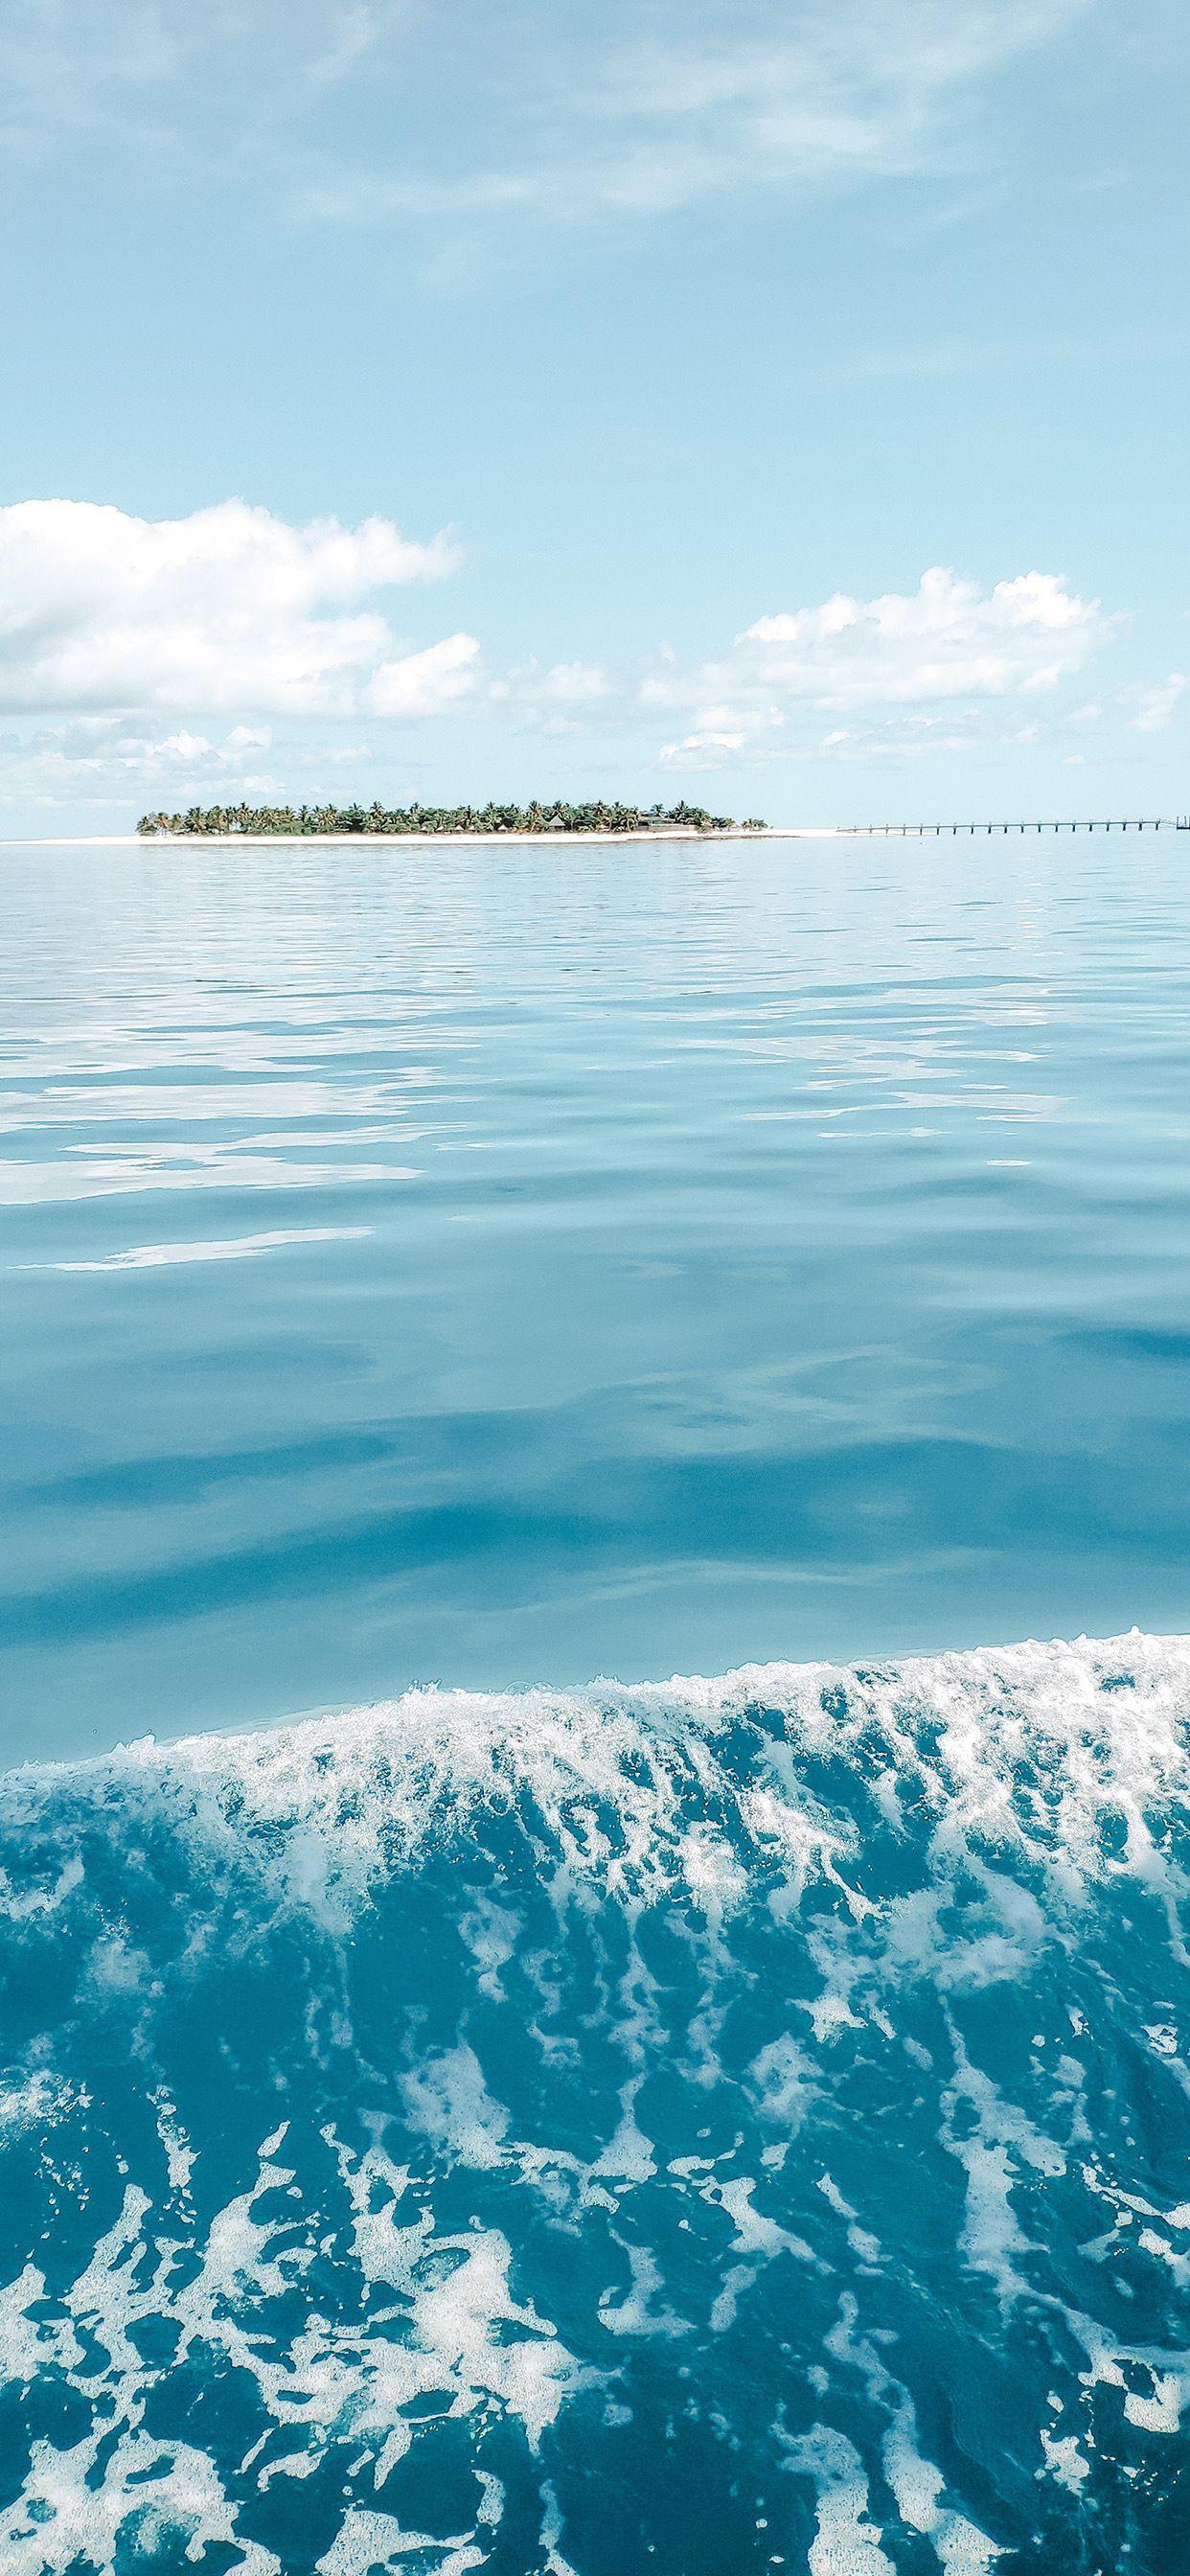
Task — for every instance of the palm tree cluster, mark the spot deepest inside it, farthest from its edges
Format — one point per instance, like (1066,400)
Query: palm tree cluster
(307,819)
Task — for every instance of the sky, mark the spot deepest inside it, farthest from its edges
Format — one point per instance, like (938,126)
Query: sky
(776,403)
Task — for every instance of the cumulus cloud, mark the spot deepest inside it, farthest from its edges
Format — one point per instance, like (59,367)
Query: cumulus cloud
(945,644)
(229,611)
(422,684)
(101,762)
(231,649)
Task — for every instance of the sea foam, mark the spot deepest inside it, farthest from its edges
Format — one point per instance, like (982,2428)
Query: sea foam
(709,2124)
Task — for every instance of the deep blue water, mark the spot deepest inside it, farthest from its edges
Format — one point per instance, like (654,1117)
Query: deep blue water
(496,1266)
(702,2126)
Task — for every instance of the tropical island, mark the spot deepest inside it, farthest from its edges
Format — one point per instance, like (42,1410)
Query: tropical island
(321,821)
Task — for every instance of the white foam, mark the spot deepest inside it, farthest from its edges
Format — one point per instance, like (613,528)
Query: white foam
(374,2544)
(1067,1758)
(635,2313)
(68,2517)
(1002,1789)
(845,2543)
(491,1930)
(782,2082)
(918,2485)
(993,2151)
(180,2156)
(39,2101)
(959,2545)
(20,1906)
(446,2097)
(464,2322)
(551,2533)
(1064,2460)
(1161,2408)
(31,2346)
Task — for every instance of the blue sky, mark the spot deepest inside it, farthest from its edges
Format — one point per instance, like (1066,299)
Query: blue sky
(782,405)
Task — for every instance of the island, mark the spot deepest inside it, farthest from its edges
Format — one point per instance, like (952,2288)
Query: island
(397,822)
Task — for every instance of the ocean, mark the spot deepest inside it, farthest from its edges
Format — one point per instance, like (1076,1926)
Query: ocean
(459,2113)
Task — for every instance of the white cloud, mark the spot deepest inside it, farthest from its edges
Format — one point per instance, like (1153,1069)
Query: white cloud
(165,73)
(229,611)
(637,108)
(947,639)
(230,652)
(947,644)
(1154,706)
(536,690)
(703,748)
(572,684)
(675,100)
(422,684)
(194,754)
(103,761)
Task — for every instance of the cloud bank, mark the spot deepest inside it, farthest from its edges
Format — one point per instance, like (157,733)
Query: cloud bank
(228,612)
(232,649)
(946,645)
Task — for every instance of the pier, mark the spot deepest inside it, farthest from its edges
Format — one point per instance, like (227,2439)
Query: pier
(905,831)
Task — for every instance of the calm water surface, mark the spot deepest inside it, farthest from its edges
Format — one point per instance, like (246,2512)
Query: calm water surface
(684,2126)
(493,1265)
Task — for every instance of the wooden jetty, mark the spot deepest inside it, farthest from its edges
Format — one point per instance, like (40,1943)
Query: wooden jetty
(904,831)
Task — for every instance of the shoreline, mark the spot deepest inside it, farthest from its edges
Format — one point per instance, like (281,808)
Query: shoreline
(685,832)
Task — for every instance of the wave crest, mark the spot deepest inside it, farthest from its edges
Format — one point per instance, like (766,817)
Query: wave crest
(708,2123)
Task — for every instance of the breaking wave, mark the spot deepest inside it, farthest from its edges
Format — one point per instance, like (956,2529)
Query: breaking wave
(713,2126)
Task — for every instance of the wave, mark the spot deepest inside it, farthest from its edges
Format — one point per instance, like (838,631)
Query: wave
(709,2124)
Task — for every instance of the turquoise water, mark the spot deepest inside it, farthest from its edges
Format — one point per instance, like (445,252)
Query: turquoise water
(508,1266)
(709,2126)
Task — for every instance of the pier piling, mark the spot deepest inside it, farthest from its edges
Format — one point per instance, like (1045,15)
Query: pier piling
(1112,823)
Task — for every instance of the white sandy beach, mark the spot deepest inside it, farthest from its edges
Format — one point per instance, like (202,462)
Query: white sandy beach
(265,840)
